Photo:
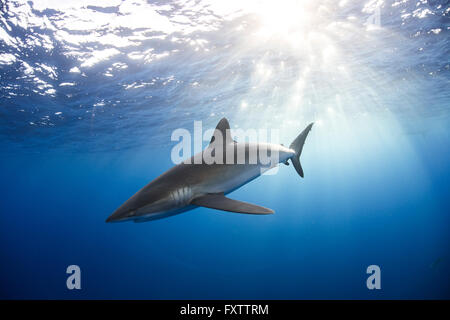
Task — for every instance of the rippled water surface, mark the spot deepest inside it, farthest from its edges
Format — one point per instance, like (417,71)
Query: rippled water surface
(92,90)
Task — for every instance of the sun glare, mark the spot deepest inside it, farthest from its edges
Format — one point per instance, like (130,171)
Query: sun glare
(283,18)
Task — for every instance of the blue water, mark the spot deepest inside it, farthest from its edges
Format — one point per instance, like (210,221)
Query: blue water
(91,93)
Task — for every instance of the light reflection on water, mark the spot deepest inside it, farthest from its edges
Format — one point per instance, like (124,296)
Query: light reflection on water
(123,72)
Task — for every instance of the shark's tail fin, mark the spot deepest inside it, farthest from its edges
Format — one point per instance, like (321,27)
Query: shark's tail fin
(297,146)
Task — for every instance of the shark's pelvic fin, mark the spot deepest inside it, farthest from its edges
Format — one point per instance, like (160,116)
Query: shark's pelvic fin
(297,146)
(220,202)
(223,128)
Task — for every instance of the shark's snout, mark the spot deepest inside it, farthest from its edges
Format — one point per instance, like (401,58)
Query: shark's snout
(147,201)
(120,215)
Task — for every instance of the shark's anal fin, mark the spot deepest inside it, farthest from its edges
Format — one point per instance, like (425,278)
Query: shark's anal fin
(220,202)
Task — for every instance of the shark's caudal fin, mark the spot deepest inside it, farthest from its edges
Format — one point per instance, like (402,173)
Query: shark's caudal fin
(297,146)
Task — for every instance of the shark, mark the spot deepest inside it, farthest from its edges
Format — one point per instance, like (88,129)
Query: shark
(205,183)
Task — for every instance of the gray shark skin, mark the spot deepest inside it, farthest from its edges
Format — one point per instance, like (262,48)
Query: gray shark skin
(190,184)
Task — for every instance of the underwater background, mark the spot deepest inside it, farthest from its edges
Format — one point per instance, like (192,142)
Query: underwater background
(91,92)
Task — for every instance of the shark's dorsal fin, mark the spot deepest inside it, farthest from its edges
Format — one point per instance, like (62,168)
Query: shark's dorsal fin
(220,202)
(222,128)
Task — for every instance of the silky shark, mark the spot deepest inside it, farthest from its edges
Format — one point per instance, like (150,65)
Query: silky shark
(192,184)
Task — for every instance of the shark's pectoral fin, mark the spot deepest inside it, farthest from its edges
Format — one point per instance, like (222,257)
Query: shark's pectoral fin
(220,202)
